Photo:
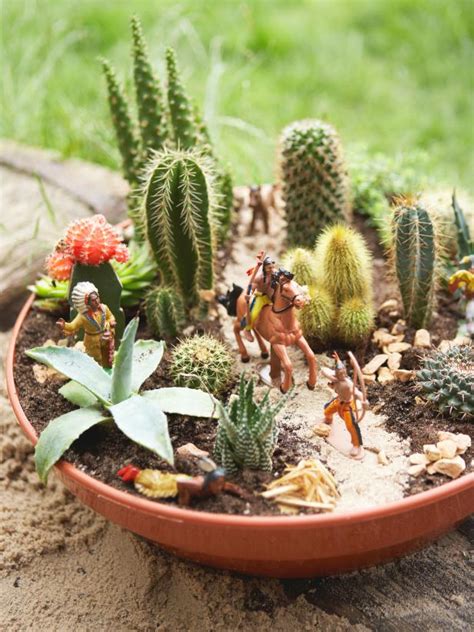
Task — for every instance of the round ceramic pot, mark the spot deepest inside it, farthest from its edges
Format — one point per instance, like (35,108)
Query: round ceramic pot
(299,546)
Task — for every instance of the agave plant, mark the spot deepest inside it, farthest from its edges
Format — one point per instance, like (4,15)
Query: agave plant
(105,396)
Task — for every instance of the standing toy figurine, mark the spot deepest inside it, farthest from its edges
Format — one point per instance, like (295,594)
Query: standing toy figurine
(260,210)
(345,402)
(95,319)
(271,319)
(463,280)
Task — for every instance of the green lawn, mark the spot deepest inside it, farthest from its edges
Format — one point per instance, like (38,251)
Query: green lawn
(395,75)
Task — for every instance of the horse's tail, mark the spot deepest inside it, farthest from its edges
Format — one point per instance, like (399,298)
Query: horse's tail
(229,300)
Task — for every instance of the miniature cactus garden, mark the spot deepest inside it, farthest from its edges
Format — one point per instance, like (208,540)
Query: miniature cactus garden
(321,365)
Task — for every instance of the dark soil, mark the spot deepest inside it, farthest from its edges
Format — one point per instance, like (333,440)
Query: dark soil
(103,450)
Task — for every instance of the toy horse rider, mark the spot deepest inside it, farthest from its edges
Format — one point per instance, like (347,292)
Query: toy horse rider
(270,313)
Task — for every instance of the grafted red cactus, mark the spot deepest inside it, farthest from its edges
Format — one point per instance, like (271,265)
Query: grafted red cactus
(59,265)
(93,241)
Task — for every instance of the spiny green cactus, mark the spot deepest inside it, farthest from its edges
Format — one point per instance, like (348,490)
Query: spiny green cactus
(165,312)
(314,181)
(247,432)
(447,378)
(355,322)
(318,316)
(301,262)
(127,137)
(149,95)
(179,203)
(203,361)
(343,263)
(182,115)
(415,254)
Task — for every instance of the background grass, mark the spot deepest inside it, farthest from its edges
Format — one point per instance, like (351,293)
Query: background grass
(395,75)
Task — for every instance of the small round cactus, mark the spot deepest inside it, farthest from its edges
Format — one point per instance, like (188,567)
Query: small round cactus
(92,241)
(356,321)
(447,378)
(202,362)
(165,312)
(301,262)
(59,264)
(318,316)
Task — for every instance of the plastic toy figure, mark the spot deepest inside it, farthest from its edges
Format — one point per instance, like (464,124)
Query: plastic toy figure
(259,292)
(260,210)
(211,484)
(95,319)
(345,402)
(463,280)
(273,320)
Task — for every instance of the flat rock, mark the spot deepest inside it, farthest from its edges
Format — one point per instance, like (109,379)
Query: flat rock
(377,361)
(422,339)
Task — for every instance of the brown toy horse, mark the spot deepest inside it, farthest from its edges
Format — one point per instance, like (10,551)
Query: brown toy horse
(276,323)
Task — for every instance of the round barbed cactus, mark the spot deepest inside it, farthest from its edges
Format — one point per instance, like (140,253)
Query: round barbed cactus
(180,208)
(202,362)
(344,264)
(315,186)
(149,94)
(415,254)
(447,379)
(165,312)
(318,316)
(355,321)
(300,261)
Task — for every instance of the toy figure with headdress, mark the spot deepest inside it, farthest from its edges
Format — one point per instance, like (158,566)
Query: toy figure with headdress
(96,321)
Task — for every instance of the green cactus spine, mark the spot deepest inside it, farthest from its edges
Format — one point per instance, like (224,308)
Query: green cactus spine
(149,94)
(447,379)
(247,432)
(300,261)
(127,137)
(165,312)
(318,316)
(314,180)
(202,362)
(355,322)
(185,130)
(415,254)
(181,223)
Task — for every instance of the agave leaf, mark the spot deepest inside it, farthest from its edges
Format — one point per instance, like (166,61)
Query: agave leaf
(143,421)
(78,394)
(60,433)
(184,401)
(77,366)
(123,362)
(147,356)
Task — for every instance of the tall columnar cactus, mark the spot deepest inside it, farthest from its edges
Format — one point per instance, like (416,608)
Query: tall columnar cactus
(126,133)
(247,432)
(344,270)
(185,129)
(149,94)
(165,312)
(301,262)
(203,362)
(181,220)
(415,254)
(314,180)
(447,379)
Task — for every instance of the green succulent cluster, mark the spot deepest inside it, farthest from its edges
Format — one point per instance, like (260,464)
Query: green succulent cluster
(447,379)
(165,312)
(314,180)
(136,275)
(166,119)
(415,255)
(247,432)
(202,362)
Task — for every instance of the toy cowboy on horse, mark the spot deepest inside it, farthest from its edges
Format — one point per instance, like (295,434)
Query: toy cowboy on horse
(260,290)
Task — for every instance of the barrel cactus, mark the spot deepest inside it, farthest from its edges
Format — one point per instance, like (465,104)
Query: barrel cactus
(301,263)
(165,312)
(355,321)
(181,219)
(415,256)
(315,186)
(247,432)
(447,379)
(318,315)
(203,361)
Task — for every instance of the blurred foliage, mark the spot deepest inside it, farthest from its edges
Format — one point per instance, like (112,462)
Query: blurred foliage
(394,74)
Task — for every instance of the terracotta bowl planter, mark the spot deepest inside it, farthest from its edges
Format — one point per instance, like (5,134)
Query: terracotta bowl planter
(304,546)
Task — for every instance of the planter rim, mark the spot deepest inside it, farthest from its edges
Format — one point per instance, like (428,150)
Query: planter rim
(189,515)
